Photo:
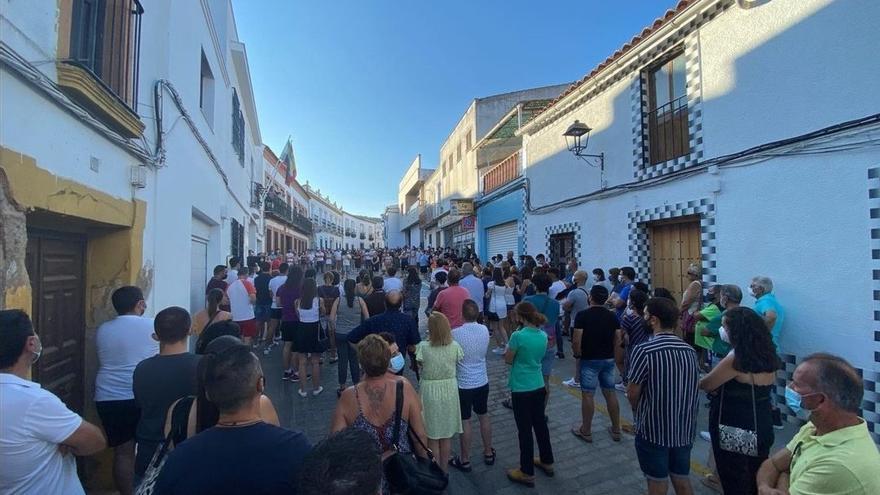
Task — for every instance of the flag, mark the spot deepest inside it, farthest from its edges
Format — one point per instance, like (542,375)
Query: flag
(289,161)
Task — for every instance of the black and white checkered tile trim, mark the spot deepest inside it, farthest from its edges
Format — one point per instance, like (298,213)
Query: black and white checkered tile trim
(564,228)
(640,244)
(523,225)
(870,401)
(689,37)
(871,404)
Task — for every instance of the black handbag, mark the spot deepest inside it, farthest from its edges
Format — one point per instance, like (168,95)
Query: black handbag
(407,473)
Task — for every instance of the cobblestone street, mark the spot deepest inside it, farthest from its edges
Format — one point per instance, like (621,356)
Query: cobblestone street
(601,467)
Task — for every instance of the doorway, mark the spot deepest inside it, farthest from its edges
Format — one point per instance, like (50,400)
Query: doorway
(675,245)
(56,266)
(562,251)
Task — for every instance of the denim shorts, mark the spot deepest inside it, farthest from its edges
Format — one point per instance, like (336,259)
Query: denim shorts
(597,372)
(658,462)
(262,312)
(547,362)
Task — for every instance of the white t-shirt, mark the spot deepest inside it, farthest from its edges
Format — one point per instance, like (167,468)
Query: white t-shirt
(231,276)
(474,340)
(33,422)
(337,255)
(392,283)
(239,300)
(122,343)
(274,284)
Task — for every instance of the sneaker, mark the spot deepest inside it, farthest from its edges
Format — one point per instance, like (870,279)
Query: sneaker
(705,436)
(317,391)
(620,387)
(777,420)
(294,377)
(287,375)
(518,476)
(267,350)
(303,393)
(547,468)
(499,350)
(560,355)
(571,383)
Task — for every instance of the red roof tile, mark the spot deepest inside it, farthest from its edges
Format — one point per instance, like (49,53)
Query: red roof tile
(659,22)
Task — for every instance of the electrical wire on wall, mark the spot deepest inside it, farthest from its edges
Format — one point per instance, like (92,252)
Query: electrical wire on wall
(796,146)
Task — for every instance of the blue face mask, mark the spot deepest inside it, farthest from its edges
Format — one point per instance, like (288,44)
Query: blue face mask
(793,399)
(397,363)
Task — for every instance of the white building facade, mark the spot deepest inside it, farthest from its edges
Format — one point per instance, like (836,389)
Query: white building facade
(287,226)
(392,232)
(128,155)
(724,149)
(409,202)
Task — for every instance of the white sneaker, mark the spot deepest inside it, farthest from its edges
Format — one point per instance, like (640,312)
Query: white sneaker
(317,391)
(705,436)
(303,393)
(499,350)
(571,383)
(620,387)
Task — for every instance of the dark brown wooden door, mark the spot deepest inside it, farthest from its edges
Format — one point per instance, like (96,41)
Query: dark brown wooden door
(55,263)
(562,251)
(674,246)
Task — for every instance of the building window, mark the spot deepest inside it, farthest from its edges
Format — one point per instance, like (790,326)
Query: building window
(667,133)
(470,140)
(562,250)
(237,128)
(206,91)
(105,40)
(237,245)
(458,152)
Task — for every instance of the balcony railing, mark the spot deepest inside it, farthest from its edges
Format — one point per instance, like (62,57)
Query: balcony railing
(276,207)
(503,173)
(427,215)
(668,135)
(105,40)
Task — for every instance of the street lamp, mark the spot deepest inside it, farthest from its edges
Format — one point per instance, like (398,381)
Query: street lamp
(577,136)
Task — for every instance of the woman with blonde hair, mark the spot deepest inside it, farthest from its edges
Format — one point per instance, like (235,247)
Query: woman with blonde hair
(438,357)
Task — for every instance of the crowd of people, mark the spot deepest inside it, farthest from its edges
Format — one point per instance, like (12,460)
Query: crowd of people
(179,396)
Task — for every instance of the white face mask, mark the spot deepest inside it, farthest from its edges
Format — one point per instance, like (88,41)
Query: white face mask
(724,336)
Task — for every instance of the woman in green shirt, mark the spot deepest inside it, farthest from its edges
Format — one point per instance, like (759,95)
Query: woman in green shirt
(525,350)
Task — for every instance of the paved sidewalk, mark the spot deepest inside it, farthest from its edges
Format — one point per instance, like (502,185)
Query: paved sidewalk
(601,467)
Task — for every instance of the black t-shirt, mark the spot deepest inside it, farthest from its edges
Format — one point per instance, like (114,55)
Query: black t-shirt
(255,459)
(598,325)
(261,283)
(375,302)
(158,382)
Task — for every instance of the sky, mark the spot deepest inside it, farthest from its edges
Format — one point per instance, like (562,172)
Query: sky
(363,86)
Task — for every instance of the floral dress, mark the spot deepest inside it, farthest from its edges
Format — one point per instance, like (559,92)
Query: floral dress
(439,388)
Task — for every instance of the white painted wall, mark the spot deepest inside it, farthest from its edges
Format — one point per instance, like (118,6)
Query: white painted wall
(771,72)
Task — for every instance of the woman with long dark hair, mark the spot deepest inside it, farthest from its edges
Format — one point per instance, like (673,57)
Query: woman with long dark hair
(348,311)
(306,339)
(412,293)
(740,388)
(212,312)
(525,351)
(286,297)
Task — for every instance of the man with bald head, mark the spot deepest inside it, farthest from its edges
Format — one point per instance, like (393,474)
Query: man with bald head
(401,325)
(833,452)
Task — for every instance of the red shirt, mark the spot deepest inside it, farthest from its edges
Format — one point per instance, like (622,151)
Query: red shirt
(449,302)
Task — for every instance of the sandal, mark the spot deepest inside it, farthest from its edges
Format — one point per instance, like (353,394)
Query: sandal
(490,458)
(587,437)
(628,429)
(615,435)
(461,466)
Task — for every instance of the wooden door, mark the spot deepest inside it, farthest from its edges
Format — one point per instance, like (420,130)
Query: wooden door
(674,246)
(55,263)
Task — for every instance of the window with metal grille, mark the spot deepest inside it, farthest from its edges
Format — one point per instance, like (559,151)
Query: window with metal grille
(237,127)
(237,247)
(105,40)
(562,250)
(667,132)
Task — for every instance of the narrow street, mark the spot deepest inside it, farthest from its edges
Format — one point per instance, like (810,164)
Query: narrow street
(602,467)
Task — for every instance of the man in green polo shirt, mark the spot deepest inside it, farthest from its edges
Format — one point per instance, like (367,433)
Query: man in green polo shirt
(833,453)
(731,297)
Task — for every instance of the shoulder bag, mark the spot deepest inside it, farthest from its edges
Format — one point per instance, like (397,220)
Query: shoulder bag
(176,435)
(406,473)
(738,440)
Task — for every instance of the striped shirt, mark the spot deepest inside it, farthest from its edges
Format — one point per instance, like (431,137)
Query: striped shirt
(666,367)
